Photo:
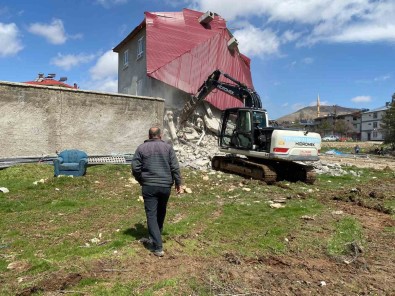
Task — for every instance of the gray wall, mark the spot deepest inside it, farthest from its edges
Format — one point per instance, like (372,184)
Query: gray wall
(136,70)
(37,120)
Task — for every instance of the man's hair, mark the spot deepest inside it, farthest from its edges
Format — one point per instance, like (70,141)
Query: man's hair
(154,132)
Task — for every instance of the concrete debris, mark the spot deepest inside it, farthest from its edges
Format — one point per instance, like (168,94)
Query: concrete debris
(276,206)
(188,190)
(18,266)
(168,119)
(133,181)
(337,213)
(211,123)
(305,217)
(280,200)
(40,181)
(195,156)
(4,190)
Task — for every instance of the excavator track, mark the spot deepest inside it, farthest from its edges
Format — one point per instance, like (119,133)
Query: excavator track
(267,170)
(310,175)
(245,168)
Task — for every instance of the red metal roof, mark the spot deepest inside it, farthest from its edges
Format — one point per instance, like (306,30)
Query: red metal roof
(50,82)
(182,52)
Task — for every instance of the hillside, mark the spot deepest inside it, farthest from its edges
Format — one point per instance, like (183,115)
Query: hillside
(310,113)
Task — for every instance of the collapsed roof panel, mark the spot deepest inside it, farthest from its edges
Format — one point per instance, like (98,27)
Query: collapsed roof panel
(182,52)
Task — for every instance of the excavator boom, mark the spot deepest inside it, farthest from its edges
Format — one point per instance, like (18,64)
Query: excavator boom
(237,90)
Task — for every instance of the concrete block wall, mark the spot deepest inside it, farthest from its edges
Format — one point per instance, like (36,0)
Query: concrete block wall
(39,120)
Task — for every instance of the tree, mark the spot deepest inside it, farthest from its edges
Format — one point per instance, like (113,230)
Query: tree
(343,127)
(324,127)
(388,125)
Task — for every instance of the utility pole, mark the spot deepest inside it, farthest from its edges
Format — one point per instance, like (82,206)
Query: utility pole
(334,118)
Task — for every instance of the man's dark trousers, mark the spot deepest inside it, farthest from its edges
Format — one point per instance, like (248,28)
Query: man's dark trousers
(155,203)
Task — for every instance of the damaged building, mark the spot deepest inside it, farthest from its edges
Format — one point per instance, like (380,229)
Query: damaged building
(170,54)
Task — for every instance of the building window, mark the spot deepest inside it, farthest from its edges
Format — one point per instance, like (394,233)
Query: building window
(139,87)
(126,58)
(374,134)
(375,115)
(140,47)
(374,124)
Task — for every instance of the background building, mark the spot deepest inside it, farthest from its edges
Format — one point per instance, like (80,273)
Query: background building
(371,124)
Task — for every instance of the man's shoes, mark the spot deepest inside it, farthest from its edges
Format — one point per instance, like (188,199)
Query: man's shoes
(145,240)
(158,253)
(147,243)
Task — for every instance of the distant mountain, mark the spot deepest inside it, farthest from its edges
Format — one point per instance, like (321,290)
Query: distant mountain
(310,113)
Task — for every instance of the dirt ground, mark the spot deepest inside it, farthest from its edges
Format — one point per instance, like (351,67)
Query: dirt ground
(363,160)
(366,271)
(371,161)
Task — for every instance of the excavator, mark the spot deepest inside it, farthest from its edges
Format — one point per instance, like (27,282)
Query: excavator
(253,148)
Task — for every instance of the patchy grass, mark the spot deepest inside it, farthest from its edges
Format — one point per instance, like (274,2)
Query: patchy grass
(91,225)
(348,231)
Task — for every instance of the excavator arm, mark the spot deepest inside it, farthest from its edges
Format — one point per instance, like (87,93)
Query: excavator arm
(236,89)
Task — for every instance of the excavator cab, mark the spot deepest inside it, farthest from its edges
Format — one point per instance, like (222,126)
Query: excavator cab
(241,128)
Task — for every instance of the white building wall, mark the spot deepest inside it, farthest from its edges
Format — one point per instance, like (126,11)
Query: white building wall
(371,126)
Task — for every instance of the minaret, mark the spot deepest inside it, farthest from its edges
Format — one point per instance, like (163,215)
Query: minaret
(318,105)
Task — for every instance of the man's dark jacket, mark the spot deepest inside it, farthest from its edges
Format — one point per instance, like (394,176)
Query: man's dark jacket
(155,164)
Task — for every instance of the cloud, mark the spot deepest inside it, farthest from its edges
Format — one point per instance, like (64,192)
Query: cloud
(69,61)
(304,61)
(361,99)
(366,33)
(308,60)
(106,65)
(382,78)
(333,21)
(109,3)
(54,32)
(10,40)
(104,74)
(375,79)
(256,42)
(289,36)
(105,85)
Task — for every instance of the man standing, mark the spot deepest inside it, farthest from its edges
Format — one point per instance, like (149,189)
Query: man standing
(155,167)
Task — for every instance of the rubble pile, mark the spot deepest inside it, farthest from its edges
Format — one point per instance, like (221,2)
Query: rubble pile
(332,169)
(195,143)
(197,156)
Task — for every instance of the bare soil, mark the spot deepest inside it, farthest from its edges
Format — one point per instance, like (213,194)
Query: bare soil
(370,271)
(366,159)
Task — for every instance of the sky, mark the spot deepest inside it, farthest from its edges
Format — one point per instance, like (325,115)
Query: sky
(340,50)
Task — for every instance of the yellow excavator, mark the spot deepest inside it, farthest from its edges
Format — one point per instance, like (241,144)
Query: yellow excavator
(253,148)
